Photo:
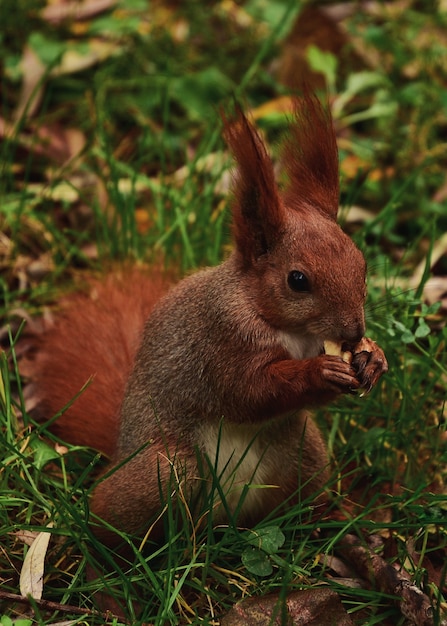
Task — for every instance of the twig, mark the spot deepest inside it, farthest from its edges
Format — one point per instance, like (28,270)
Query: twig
(414,604)
(48,605)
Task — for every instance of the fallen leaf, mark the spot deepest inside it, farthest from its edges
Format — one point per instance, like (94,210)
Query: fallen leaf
(74,61)
(357,215)
(50,141)
(31,575)
(435,290)
(33,71)
(413,603)
(310,607)
(60,11)
(338,566)
(281,105)
(439,250)
(26,536)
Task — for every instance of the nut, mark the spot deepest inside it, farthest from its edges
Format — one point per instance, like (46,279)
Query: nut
(334,348)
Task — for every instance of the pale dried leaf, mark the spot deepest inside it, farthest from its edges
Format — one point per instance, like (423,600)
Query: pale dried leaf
(60,449)
(90,251)
(73,61)
(357,215)
(60,11)
(31,576)
(66,623)
(439,250)
(60,143)
(215,162)
(26,536)
(41,267)
(33,71)
(435,290)
(50,141)
(340,567)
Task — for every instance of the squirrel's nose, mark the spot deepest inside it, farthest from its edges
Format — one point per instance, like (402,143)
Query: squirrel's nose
(352,333)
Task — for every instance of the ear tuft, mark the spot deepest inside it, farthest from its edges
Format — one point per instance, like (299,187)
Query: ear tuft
(311,158)
(257,209)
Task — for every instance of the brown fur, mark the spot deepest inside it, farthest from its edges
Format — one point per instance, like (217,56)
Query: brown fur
(230,356)
(93,342)
(311,158)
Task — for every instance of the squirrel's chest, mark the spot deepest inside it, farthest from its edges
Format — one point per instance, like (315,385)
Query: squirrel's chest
(241,461)
(300,346)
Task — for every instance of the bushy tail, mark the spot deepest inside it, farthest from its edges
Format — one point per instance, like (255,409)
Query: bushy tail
(94,339)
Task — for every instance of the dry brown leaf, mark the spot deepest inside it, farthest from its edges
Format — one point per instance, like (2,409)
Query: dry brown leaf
(338,566)
(310,607)
(413,603)
(352,165)
(31,575)
(143,220)
(53,141)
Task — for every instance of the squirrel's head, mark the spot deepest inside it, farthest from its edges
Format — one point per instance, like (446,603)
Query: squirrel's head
(306,274)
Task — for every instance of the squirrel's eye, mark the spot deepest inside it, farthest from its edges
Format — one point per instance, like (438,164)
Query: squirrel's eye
(298,281)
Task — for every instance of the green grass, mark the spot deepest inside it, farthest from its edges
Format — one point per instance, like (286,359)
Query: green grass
(151,182)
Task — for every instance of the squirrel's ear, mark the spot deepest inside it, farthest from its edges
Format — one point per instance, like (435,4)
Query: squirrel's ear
(257,210)
(311,158)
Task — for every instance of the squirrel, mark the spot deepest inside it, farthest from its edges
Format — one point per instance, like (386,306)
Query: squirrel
(225,364)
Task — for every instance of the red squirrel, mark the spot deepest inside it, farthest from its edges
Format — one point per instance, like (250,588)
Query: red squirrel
(230,357)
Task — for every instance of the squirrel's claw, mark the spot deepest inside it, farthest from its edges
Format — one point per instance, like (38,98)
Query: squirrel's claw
(369,362)
(339,376)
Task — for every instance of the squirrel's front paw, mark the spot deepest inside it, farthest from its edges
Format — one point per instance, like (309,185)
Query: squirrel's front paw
(369,362)
(337,375)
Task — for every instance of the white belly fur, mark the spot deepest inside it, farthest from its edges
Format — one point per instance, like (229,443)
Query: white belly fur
(239,460)
(299,346)
(239,457)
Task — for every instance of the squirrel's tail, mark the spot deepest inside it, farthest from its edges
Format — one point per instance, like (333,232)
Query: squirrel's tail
(90,346)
